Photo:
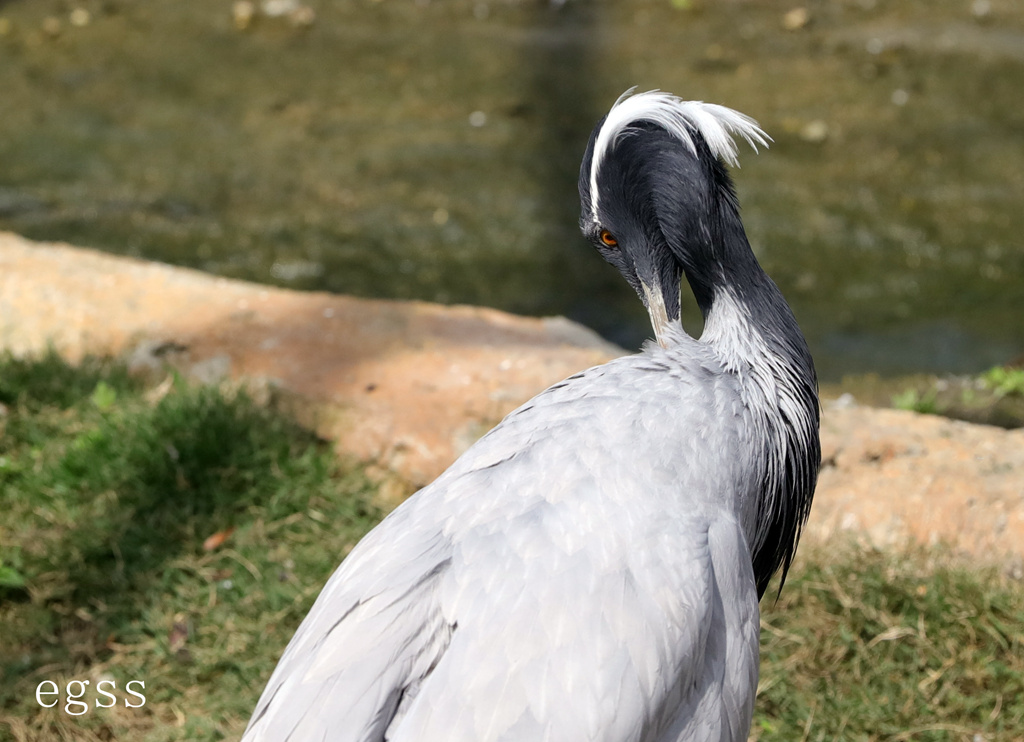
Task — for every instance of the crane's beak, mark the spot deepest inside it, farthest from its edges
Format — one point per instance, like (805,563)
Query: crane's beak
(656,308)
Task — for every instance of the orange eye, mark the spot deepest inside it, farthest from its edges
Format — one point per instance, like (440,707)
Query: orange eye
(608,238)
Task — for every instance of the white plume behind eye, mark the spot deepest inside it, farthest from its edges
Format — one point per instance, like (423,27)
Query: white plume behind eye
(716,124)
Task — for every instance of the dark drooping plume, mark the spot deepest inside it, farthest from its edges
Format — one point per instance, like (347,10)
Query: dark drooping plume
(658,203)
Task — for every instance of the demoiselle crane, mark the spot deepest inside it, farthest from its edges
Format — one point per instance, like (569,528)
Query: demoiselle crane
(590,570)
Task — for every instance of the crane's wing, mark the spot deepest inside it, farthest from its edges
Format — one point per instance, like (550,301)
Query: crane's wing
(722,704)
(372,635)
(658,646)
(539,590)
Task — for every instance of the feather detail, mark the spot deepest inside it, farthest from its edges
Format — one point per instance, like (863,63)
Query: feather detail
(716,125)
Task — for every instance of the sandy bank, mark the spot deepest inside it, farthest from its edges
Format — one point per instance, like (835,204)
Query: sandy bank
(409,385)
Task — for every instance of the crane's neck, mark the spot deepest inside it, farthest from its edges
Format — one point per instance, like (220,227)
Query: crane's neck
(753,332)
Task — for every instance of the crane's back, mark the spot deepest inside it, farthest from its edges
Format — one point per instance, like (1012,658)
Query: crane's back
(596,596)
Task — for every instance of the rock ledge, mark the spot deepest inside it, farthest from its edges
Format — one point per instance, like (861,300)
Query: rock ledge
(409,385)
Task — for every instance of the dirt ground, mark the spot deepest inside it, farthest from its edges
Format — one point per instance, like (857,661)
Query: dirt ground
(407,386)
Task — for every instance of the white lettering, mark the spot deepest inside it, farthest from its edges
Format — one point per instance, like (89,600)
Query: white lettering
(128,688)
(73,697)
(40,692)
(113,699)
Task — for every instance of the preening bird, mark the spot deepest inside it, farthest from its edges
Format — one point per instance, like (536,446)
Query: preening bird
(590,570)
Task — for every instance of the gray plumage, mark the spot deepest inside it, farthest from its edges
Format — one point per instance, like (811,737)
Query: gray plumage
(590,569)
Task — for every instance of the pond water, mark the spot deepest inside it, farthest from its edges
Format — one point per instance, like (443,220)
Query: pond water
(428,149)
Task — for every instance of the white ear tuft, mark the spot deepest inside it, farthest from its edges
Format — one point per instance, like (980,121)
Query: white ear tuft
(715,124)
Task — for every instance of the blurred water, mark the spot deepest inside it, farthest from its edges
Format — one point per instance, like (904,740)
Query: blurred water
(415,149)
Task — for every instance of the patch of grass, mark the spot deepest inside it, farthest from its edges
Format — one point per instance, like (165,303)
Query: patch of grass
(874,646)
(1004,381)
(109,489)
(35,384)
(108,492)
(995,397)
(915,401)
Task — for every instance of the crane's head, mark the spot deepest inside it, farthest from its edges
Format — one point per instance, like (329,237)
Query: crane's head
(651,184)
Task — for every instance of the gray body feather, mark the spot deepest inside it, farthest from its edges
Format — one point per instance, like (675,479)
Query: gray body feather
(586,603)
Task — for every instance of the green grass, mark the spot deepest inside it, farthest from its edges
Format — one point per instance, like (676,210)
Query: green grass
(908,646)
(109,487)
(916,401)
(108,493)
(1004,381)
(995,397)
